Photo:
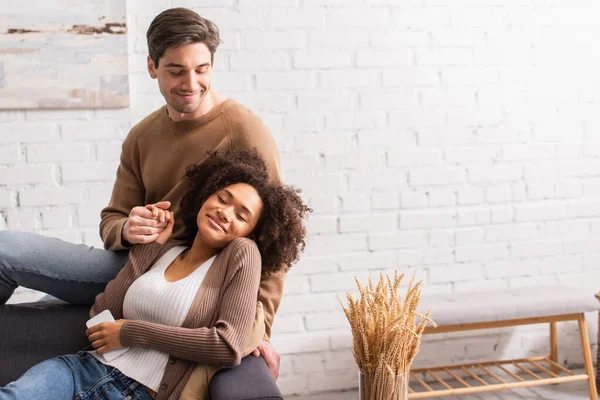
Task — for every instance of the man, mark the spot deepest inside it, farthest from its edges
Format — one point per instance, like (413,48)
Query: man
(195,121)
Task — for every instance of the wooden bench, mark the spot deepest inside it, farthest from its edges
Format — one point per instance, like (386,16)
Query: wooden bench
(598,352)
(504,308)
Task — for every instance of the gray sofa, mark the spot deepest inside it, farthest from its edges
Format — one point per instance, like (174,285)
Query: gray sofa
(34,332)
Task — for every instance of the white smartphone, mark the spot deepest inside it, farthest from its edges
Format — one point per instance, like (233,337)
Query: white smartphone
(106,316)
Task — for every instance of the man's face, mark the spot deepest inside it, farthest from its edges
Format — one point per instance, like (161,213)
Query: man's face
(184,75)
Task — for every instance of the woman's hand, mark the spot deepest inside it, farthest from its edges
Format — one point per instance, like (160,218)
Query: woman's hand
(105,336)
(168,231)
(162,216)
(160,211)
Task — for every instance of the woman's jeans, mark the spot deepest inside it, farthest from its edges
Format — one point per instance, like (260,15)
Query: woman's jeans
(75,273)
(75,376)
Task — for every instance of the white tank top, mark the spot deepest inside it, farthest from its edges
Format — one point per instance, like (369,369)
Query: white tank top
(153,299)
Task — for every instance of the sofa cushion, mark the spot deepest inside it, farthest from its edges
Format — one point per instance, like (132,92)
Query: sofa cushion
(33,332)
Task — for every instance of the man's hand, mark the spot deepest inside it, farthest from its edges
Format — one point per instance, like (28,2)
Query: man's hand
(272,358)
(144,224)
(105,336)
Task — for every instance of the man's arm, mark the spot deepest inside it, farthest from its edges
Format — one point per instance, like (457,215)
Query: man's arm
(269,294)
(248,132)
(128,192)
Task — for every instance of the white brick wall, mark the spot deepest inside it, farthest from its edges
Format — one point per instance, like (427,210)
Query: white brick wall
(458,139)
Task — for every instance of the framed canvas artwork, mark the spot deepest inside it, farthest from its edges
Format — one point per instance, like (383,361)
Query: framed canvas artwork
(63,54)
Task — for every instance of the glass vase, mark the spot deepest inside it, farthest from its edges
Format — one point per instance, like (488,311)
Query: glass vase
(383,386)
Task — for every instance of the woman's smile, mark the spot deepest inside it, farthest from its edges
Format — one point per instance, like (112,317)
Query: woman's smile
(216,225)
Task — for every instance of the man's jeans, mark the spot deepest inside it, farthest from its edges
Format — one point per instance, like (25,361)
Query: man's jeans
(75,273)
(75,376)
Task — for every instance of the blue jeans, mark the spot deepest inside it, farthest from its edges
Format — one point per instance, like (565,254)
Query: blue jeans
(75,273)
(75,376)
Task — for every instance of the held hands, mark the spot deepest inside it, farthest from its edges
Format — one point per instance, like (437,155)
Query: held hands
(105,336)
(271,357)
(168,231)
(146,224)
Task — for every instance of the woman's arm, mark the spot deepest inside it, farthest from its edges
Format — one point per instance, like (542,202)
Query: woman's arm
(222,344)
(140,260)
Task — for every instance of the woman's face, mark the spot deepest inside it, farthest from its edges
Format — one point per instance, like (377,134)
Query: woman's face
(229,213)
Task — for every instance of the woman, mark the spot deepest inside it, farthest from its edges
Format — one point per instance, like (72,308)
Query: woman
(178,305)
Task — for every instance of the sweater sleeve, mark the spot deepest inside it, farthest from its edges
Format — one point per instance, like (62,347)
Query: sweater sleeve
(140,260)
(223,344)
(128,192)
(247,131)
(269,294)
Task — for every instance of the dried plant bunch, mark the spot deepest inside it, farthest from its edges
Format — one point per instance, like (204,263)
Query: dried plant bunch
(386,330)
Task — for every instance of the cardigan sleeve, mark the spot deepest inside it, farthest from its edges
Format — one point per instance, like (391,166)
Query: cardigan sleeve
(140,260)
(223,343)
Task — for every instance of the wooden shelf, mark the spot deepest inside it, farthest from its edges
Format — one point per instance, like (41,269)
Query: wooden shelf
(488,376)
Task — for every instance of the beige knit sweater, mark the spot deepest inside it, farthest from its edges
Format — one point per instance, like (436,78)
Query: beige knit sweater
(155,156)
(218,324)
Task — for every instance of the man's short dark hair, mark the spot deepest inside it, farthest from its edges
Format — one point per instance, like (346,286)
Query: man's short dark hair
(178,26)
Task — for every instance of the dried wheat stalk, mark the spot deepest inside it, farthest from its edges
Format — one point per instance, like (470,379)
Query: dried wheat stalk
(386,333)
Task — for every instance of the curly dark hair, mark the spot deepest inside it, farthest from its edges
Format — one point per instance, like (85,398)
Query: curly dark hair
(280,230)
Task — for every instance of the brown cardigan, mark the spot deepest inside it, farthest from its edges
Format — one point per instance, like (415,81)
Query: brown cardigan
(218,324)
(155,156)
